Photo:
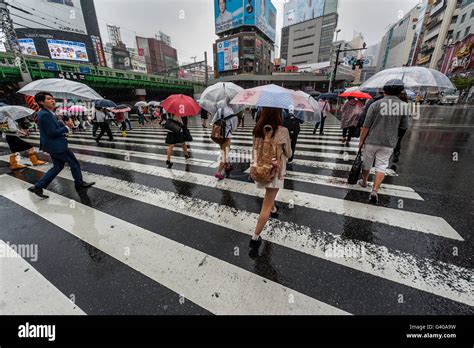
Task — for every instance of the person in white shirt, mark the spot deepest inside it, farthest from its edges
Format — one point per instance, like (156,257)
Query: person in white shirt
(231,124)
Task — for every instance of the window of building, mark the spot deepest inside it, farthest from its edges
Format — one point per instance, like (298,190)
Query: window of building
(466,33)
(311,44)
(454,19)
(463,18)
(302,54)
(472,13)
(303,37)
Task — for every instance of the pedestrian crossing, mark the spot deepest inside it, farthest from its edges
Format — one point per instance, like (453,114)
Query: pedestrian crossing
(182,235)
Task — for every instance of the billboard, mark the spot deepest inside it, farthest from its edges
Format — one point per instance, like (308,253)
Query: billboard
(297,11)
(27,47)
(63,15)
(228,14)
(67,50)
(231,14)
(265,18)
(228,55)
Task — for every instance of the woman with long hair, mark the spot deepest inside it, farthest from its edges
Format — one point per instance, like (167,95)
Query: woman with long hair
(271,117)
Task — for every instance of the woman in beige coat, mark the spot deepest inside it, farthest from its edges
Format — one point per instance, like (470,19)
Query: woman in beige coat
(272,117)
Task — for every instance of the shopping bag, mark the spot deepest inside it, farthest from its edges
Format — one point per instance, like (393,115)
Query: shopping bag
(356,169)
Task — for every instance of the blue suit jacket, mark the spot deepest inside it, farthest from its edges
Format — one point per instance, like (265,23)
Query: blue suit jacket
(52,133)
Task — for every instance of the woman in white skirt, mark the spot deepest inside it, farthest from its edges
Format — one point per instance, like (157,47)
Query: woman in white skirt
(272,117)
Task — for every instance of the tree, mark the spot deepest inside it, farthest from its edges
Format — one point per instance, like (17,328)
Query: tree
(463,83)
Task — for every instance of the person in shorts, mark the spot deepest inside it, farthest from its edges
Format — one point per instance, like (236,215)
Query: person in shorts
(379,134)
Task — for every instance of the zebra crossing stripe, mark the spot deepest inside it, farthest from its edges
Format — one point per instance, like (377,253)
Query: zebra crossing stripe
(235,137)
(221,288)
(312,164)
(445,280)
(24,291)
(389,190)
(160,139)
(399,218)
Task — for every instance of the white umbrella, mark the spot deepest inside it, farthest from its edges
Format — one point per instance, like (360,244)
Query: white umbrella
(141,104)
(61,89)
(221,91)
(15,112)
(154,103)
(414,77)
(352,89)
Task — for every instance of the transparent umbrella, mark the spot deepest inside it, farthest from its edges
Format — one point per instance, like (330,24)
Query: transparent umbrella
(309,116)
(220,92)
(61,89)
(14,112)
(413,77)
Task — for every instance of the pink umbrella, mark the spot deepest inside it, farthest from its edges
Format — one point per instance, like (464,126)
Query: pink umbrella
(272,96)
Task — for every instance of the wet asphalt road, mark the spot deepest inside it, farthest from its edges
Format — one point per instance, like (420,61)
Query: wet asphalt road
(413,254)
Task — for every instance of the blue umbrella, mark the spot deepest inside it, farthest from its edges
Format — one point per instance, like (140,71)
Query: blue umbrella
(105,103)
(3,104)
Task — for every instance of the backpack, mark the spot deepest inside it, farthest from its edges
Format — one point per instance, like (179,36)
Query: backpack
(218,134)
(262,170)
(293,125)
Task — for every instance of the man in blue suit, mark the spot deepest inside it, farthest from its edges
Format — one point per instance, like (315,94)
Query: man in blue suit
(53,141)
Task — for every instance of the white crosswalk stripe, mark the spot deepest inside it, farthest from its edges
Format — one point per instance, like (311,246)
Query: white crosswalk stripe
(198,276)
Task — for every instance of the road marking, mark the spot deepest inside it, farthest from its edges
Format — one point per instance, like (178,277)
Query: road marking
(399,218)
(24,291)
(444,279)
(221,287)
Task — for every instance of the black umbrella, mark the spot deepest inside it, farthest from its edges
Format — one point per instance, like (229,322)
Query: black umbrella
(105,103)
(328,96)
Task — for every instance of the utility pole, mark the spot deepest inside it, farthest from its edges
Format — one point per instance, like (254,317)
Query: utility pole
(11,42)
(206,78)
(194,58)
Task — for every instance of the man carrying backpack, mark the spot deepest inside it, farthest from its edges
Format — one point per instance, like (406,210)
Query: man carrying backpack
(222,129)
(292,123)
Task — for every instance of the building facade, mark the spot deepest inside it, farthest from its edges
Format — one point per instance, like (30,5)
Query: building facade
(246,31)
(243,53)
(297,11)
(440,22)
(397,44)
(160,57)
(465,21)
(309,41)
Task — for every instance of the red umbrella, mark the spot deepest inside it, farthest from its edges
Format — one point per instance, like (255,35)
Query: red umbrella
(181,105)
(356,94)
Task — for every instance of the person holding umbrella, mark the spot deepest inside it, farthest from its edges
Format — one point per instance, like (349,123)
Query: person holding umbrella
(177,107)
(380,134)
(351,112)
(53,141)
(325,108)
(100,116)
(228,123)
(270,122)
(12,134)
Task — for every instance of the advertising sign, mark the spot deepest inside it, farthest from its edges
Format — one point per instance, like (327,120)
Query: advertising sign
(302,10)
(27,47)
(228,14)
(67,50)
(63,15)
(228,55)
(98,50)
(265,18)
